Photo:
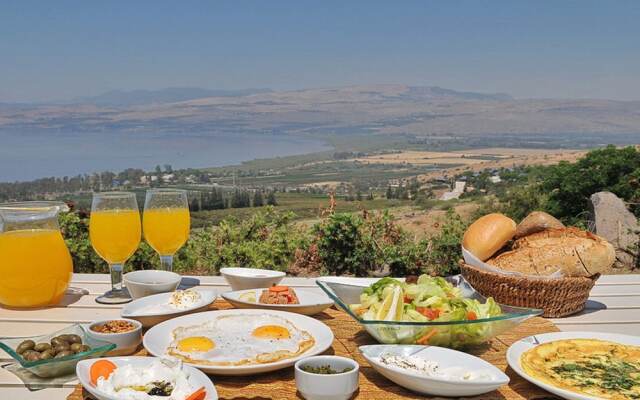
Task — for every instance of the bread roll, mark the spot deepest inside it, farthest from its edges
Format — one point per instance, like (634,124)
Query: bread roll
(573,251)
(535,222)
(488,235)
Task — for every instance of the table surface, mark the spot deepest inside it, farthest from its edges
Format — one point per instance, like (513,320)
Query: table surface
(614,306)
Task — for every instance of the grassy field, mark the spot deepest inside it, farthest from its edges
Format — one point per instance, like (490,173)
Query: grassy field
(335,171)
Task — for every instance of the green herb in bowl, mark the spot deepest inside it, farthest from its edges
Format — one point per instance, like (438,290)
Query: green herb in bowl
(324,370)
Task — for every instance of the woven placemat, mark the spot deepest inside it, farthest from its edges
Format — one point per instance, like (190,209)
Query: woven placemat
(348,336)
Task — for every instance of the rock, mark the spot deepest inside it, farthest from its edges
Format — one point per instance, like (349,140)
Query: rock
(614,222)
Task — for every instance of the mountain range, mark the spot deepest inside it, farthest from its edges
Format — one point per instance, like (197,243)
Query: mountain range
(368,109)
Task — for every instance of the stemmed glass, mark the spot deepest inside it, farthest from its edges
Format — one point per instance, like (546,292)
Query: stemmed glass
(166,222)
(114,228)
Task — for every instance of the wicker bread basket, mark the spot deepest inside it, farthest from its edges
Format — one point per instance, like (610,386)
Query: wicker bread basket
(557,297)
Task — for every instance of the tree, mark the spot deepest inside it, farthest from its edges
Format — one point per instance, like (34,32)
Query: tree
(609,169)
(258,200)
(389,194)
(271,199)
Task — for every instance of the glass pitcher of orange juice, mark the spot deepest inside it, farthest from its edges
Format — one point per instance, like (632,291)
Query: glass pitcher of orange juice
(35,264)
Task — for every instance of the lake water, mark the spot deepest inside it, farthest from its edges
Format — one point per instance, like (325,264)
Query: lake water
(31,155)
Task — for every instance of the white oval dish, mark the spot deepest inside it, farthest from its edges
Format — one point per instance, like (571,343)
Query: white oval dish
(310,303)
(327,387)
(152,310)
(150,281)
(158,338)
(126,342)
(515,352)
(435,385)
(251,278)
(196,378)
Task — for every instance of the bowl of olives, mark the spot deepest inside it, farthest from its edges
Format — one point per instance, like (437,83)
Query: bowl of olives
(55,354)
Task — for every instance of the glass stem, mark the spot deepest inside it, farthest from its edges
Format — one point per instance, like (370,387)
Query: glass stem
(166,263)
(116,277)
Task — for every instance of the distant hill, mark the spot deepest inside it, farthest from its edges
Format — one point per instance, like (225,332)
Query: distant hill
(126,98)
(429,112)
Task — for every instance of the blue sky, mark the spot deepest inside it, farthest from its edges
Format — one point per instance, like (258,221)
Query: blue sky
(64,49)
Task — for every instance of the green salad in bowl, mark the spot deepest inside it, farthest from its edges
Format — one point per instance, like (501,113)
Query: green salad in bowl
(425,310)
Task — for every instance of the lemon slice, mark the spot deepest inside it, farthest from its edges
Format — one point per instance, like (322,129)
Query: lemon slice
(392,307)
(249,297)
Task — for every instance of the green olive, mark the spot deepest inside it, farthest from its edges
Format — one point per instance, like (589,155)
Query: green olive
(47,354)
(32,355)
(75,347)
(42,347)
(25,345)
(64,353)
(73,339)
(58,340)
(61,347)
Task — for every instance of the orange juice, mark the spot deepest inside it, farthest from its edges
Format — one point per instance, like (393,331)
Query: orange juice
(115,234)
(166,229)
(35,267)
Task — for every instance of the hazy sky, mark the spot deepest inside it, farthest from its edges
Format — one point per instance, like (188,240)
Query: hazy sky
(64,49)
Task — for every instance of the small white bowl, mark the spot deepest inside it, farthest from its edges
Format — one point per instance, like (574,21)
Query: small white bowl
(251,278)
(327,387)
(126,342)
(147,282)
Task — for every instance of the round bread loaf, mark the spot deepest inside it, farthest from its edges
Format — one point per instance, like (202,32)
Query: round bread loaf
(535,222)
(572,251)
(488,235)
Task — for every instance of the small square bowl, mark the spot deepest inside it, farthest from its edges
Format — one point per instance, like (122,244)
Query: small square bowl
(56,366)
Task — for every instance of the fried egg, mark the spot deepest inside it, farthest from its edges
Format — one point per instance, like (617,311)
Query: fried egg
(239,340)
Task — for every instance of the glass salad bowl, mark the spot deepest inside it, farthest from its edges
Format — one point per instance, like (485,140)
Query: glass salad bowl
(452,334)
(53,367)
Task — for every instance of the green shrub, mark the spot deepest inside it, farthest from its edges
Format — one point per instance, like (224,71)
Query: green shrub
(344,244)
(267,239)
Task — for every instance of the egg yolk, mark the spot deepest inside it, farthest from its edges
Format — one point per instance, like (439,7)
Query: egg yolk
(195,344)
(271,332)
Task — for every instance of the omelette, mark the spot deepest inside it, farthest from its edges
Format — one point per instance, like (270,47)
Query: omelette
(590,367)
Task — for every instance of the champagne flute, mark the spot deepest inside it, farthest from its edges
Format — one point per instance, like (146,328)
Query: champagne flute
(166,222)
(114,228)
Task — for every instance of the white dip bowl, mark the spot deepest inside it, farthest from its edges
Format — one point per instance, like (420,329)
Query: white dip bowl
(251,278)
(126,342)
(147,282)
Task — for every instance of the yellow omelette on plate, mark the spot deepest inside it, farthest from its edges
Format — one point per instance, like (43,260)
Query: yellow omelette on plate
(587,366)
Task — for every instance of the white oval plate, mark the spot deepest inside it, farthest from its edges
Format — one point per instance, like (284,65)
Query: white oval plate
(158,338)
(515,352)
(310,302)
(196,378)
(433,385)
(136,309)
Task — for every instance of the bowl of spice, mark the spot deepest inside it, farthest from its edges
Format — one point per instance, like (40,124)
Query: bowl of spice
(327,377)
(126,334)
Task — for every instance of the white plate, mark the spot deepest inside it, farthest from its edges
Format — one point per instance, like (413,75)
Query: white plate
(136,309)
(519,347)
(310,302)
(196,378)
(432,385)
(158,338)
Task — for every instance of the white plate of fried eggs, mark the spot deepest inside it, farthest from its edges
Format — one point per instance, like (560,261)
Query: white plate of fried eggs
(239,342)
